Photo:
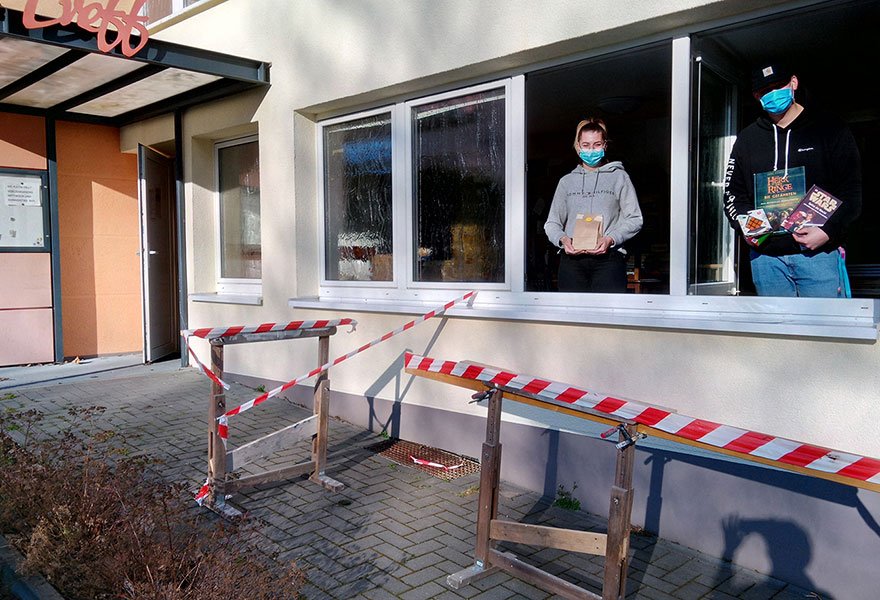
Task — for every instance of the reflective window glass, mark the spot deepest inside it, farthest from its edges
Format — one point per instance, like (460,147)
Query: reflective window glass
(239,188)
(357,200)
(458,159)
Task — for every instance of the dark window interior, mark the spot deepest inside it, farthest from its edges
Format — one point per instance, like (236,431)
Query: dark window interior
(630,91)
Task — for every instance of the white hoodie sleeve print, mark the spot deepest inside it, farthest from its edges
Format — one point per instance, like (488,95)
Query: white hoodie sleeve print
(629,219)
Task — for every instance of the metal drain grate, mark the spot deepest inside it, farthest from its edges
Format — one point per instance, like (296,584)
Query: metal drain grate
(400,452)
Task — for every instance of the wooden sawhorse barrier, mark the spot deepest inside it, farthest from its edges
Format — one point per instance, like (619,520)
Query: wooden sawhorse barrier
(222,462)
(490,529)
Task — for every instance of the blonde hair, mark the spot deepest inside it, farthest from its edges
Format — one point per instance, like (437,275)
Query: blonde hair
(591,124)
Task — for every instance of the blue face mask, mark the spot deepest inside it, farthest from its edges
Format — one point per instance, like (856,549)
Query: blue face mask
(592,157)
(777,101)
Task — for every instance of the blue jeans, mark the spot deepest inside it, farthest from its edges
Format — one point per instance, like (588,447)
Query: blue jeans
(813,275)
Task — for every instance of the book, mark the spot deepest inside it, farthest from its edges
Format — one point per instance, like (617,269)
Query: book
(777,193)
(587,231)
(812,211)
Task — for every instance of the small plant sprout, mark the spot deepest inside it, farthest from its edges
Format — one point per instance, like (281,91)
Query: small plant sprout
(565,499)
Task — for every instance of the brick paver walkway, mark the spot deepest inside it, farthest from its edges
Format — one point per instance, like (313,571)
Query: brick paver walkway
(393,532)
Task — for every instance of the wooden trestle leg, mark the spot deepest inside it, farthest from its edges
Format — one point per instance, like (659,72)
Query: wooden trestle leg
(216,498)
(490,470)
(322,409)
(216,450)
(619,519)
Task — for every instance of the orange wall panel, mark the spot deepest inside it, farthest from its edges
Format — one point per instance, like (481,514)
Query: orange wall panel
(99,239)
(22,141)
(101,158)
(117,266)
(79,324)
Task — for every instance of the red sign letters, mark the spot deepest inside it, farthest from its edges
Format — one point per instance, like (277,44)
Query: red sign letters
(96,18)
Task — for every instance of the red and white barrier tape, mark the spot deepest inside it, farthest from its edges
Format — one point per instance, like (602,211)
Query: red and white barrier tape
(203,492)
(222,427)
(210,333)
(714,434)
(428,463)
(203,368)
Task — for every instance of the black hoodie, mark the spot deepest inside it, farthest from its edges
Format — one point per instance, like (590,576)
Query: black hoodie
(823,146)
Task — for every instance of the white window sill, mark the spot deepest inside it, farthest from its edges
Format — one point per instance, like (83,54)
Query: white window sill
(849,319)
(227,298)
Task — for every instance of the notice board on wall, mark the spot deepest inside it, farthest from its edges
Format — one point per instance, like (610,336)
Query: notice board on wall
(22,211)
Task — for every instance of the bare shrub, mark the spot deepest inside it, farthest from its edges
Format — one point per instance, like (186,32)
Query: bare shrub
(99,523)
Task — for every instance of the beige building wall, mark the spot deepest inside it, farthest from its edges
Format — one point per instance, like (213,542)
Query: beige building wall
(332,57)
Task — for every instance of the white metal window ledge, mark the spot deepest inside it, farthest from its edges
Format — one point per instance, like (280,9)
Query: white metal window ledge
(851,319)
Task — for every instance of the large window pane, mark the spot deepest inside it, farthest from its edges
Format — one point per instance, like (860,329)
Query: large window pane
(630,92)
(357,200)
(239,174)
(458,188)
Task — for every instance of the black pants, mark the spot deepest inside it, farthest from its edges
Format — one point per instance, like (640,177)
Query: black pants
(589,273)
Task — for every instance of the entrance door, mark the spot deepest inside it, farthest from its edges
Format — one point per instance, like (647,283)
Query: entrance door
(158,254)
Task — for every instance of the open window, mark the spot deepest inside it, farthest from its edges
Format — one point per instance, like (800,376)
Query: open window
(629,91)
(823,44)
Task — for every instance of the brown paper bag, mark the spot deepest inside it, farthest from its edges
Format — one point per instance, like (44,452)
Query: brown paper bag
(587,232)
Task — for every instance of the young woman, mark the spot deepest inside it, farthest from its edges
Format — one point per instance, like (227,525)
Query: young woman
(595,187)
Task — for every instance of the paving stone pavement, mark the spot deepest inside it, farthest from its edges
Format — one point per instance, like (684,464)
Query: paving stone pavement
(392,532)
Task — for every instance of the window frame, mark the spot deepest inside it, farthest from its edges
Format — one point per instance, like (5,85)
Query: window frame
(854,318)
(403,284)
(408,108)
(177,7)
(396,203)
(231,285)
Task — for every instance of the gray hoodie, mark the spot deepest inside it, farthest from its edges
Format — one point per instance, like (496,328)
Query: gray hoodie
(607,191)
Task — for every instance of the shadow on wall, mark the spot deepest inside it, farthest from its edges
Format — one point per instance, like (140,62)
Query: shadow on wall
(785,543)
(391,425)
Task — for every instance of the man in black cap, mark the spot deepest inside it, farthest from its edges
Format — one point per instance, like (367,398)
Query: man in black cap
(782,155)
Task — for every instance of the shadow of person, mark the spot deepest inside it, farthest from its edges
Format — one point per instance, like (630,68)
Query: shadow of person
(787,546)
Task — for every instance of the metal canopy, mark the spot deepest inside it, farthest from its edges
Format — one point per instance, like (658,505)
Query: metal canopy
(58,72)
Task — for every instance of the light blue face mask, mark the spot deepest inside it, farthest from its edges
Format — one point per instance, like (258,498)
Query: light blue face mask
(777,101)
(592,157)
